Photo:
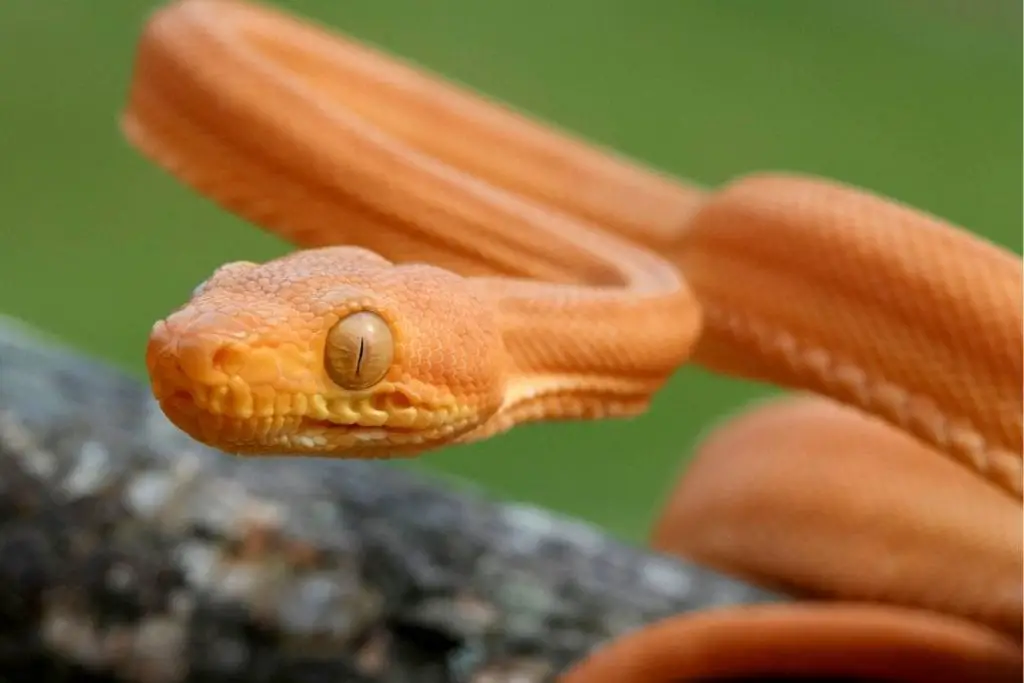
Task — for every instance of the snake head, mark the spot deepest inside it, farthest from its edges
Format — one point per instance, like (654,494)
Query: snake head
(331,351)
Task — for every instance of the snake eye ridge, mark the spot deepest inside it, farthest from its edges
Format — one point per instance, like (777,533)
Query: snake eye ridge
(359,352)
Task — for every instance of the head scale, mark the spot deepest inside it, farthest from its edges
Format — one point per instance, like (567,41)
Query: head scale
(331,351)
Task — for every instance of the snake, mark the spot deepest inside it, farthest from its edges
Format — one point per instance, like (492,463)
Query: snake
(462,268)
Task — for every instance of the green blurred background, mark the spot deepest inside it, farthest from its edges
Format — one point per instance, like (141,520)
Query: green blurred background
(919,100)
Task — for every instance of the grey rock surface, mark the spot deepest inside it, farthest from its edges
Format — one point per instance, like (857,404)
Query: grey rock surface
(128,552)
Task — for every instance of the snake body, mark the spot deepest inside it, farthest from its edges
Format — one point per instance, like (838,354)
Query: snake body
(465,269)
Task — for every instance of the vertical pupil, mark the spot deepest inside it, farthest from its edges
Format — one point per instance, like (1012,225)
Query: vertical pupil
(360,354)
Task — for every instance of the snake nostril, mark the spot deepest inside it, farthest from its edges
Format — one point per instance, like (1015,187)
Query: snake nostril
(181,401)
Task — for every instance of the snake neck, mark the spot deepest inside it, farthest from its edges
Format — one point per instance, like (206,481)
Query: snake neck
(612,356)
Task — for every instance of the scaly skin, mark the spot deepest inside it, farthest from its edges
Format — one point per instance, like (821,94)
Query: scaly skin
(567,283)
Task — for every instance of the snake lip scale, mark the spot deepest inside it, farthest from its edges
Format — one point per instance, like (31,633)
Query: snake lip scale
(463,269)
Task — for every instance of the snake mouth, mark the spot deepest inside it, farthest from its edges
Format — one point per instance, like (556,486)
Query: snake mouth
(214,423)
(312,424)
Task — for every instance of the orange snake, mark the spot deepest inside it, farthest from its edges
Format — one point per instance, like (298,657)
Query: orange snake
(565,282)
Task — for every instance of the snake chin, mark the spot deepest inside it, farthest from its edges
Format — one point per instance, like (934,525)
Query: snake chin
(316,436)
(321,432)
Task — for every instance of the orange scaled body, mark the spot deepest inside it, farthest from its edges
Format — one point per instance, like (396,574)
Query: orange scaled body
(568,283)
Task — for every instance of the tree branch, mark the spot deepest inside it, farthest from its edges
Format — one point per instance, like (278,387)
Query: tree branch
(128,552)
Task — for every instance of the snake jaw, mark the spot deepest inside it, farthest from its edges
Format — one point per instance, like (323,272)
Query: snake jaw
(226,416)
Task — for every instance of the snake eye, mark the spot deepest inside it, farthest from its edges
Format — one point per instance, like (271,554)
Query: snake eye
(360,348)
